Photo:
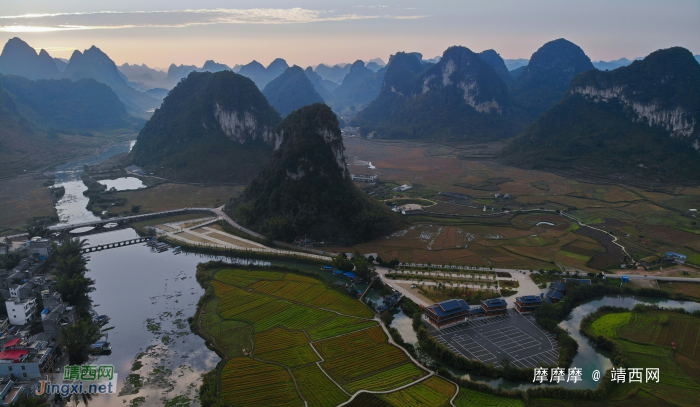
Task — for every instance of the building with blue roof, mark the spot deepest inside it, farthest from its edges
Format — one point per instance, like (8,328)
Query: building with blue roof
(577,281)
(477,312)
(554,296)
(447,313)
(559,286)
(527,303)
(495,306)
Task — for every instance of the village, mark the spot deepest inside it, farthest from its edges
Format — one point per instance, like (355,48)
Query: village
(35,314)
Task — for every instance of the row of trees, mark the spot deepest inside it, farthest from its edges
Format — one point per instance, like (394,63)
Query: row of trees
(74,288)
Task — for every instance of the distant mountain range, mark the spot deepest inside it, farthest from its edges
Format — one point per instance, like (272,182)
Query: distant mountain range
(360,86)
(462,97)
(18,58)
(639,120)
(84,105)
(290,91)
(306,188)
(212,127)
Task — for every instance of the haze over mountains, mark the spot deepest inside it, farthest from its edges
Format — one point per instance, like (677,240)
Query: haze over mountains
(459,96)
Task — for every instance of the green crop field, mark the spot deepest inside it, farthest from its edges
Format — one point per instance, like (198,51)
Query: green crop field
(338,326)
(647,338)
(264,323)
(353,342)
(317,388)
(433,391)
(471,398)
(387,379)
(607,324)
(246,381)
(351,366)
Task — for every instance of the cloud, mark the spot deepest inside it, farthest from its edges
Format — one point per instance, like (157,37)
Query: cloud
(175,18)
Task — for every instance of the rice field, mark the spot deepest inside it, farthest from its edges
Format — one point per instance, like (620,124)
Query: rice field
(245,381)
(388,379)
(317,388)
(352,366)
(433,391)
(277,311)
(471,398)
(338,326)
(352,342)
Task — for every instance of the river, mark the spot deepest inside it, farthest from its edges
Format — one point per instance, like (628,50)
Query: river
(71,207)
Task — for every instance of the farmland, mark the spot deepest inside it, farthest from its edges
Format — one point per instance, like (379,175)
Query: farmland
(471,398)
(430,392)
(646,338)
(285,334)
(647,219)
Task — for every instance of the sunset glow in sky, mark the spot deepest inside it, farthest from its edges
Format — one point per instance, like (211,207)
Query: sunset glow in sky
(310,32)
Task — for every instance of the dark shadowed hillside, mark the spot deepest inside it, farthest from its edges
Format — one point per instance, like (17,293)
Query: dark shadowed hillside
(545,79)
(83,105)
(639,120)
(306,187)
(212,127)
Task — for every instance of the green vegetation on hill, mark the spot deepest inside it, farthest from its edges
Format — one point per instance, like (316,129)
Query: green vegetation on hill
(212,127)
(306,187)
(461,97)
(83,105)
(290,91)
(578,132)
(544,81)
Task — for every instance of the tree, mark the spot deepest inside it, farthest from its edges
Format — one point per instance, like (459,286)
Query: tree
(76,340)
(25,400)
(341,262)
(135,208)
(363,267)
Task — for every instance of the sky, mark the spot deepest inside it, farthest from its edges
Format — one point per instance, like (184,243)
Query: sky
(305,33)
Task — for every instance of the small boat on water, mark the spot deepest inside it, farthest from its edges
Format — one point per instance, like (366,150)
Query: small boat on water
(100,348)
(101,320)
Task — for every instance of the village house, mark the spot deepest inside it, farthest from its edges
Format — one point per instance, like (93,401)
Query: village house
(527,303)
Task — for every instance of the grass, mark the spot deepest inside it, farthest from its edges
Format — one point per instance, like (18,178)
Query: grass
(169,196)
(431,392)
(691,290)
(24,200)
(317,388)
(607,325)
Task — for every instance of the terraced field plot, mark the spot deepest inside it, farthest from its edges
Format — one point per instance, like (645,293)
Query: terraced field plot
(646,338)
(298,327)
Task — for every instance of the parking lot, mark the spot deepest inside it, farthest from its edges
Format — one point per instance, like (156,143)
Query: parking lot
(491,339)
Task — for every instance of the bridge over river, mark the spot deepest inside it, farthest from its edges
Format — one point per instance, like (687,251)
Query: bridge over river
(130,219)
(99,247)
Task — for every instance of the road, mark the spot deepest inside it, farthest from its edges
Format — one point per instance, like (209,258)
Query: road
(659,278)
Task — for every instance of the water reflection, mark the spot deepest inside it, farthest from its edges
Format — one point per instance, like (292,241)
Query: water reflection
(71,208)
(149,297)
(123,184)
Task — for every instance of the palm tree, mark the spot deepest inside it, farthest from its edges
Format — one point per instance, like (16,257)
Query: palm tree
(76,340)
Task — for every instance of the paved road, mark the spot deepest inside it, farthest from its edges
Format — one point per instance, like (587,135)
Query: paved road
(660,278)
